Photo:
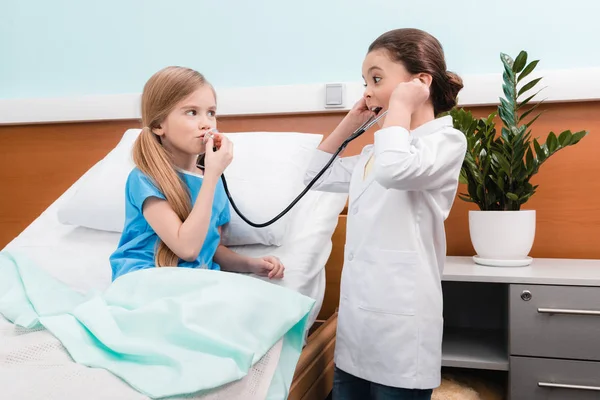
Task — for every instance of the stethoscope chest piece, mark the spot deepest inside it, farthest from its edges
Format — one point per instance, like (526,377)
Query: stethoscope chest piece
(200,160)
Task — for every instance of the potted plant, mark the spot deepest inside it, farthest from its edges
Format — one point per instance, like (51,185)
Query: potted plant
(498,168)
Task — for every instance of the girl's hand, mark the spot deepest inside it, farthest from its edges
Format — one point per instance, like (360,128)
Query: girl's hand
(409,95)
(217,138)
(268,266)
(217,161)
(358,115)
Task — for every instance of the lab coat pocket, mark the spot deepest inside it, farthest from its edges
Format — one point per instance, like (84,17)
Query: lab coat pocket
(389,281)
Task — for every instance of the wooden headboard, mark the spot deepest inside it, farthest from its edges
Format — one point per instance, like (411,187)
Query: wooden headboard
(39,162)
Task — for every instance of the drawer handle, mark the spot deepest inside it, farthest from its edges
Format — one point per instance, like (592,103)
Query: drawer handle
(566,386)
(570,312)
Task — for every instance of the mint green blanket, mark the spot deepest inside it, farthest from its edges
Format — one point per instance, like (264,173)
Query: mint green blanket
(164,331)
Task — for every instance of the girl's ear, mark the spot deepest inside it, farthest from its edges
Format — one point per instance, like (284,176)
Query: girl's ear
(426,79)
(158,131)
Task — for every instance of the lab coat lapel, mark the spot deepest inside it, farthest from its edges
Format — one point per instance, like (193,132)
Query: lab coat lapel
(360,185)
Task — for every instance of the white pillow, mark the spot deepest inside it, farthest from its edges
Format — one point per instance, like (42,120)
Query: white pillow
(265,175)
(99,202)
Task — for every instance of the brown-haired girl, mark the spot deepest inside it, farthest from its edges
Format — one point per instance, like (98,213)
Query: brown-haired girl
(401,189)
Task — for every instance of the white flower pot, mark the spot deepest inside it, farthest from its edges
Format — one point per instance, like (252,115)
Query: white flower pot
(502,238)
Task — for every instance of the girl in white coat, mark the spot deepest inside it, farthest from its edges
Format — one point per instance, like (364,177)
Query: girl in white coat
(401,189)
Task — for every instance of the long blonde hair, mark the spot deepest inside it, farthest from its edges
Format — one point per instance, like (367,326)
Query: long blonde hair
(161,93)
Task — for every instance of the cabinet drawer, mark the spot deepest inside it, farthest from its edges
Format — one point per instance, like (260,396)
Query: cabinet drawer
(555,321)
(547,379)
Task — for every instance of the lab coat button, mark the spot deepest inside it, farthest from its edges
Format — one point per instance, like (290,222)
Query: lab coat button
(350,256)
(355,210)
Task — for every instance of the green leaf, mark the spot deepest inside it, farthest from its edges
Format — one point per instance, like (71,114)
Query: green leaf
(503,162)
(473,169)
(480,193)
(552,142)
(528,86)
(527,100)
(505,105)
(472,189)
(466,198)
(512,196)
(564,139)
(500,182)
(529,111)
(578,136)
(517,157)
(506,116)
(527,138)
(533,120)
(508,74)
(462,178)
(541,154)
(508,92)
(505,134)
(506,60)
(528,70)
(527,187)
(529,160)
(520,62)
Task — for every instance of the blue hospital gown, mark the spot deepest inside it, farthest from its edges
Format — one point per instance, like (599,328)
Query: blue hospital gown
(137,245)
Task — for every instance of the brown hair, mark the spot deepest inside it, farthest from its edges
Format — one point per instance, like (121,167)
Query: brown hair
(420,52)
(161,93)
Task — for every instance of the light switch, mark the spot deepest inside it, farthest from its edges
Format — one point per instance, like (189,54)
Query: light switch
(334,95)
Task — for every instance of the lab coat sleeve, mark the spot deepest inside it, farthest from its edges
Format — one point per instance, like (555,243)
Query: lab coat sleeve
(336,178)
(428,162)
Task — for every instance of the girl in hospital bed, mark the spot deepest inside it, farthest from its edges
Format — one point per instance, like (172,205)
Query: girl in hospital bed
(401,189)
(174,211)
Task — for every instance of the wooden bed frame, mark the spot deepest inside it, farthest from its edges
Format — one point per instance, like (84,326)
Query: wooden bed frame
(313,379)
(567,225)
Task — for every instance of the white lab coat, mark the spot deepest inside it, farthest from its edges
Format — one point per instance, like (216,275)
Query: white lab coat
(390,314)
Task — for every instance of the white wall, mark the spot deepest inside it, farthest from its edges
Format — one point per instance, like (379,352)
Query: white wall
(75,50)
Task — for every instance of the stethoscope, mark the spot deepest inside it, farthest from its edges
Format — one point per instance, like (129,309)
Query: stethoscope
(364,127)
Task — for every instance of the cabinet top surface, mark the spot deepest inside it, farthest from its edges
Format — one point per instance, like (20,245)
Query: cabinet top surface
(549,271)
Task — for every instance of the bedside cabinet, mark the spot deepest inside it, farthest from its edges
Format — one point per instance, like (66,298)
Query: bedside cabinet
(554,342)
(536,327)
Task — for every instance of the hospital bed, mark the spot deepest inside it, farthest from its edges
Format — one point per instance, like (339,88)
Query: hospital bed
(66,236)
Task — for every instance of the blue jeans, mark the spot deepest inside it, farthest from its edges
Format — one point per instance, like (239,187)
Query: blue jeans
(349,387)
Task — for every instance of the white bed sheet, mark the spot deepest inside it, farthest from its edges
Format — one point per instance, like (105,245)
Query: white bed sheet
(74,255)
(35,365)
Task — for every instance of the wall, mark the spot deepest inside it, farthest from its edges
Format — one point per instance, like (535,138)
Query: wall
(65,48)
(69,49)
(39,162)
